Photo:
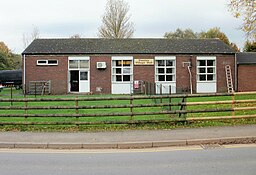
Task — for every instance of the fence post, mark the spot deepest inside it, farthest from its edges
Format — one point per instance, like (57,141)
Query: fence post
(170,99)
(183,107)
(233,104)
(161,93)
(26,108)
(11,95)
(76,102)
(35,89)
(131,106)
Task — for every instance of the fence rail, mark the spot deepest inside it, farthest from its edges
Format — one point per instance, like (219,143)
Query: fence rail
(139,109)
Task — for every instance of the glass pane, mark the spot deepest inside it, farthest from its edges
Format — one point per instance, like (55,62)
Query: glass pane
(73,64)
(52,62)
(161,77)
(210,62)
(126,70)
(118,77)
(210,77)
(160,70)
(84,64)
(118,70)
(119,63)
(127,63)
(83,75)
(202,77)
(41,61)
(202,70)
(210,70)
(169,70)
(169,78)
(169,63)
(126,78)
(161,63)
(202,63)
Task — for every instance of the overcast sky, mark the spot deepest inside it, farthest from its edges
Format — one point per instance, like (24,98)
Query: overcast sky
(152,18)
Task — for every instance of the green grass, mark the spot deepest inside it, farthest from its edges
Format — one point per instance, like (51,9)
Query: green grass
(18,94)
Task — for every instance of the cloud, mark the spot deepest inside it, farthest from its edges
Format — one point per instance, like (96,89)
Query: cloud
(63,18)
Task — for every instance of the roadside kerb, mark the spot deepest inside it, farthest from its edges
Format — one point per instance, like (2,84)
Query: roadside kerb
(132,145)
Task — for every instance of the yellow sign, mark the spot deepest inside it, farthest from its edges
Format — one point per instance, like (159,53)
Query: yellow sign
(143,61)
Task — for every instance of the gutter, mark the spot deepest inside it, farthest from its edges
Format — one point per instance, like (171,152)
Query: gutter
(236,77)
(24,74)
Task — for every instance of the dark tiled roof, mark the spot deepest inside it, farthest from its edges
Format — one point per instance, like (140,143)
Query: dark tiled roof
(127,46)
(246,58)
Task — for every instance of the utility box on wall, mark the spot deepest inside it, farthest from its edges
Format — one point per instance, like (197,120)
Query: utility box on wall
(101,65)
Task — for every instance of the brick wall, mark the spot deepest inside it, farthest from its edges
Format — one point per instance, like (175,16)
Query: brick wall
(144,73)
(98,77)
(57,74)
(246,78)
(222,61)
(102,78)
(182,73)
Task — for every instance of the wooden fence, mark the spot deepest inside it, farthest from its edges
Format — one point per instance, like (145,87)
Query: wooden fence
(126,109)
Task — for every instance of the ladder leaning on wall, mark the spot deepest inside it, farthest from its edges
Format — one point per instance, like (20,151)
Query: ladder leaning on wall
(229,79)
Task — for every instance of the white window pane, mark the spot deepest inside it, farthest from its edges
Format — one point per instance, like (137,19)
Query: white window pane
(83,75)
(73,64)
(126,70)
(84,64)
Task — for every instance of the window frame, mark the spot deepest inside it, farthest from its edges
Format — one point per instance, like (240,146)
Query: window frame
(123,67)
(165,67)
(206,69)
(47,62)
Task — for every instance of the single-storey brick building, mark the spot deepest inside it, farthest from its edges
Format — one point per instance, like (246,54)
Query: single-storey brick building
(117,66)
(246,66)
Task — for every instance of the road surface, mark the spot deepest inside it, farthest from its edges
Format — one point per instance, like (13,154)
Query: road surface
(226,160)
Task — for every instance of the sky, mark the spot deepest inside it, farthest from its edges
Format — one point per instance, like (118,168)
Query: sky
(152,18)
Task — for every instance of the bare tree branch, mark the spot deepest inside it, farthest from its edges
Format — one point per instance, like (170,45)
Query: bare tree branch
(28,38)
(115,22)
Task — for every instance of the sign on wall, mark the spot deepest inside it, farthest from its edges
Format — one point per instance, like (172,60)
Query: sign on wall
(143,62)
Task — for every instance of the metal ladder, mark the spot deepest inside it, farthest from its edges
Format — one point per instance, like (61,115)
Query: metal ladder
(229,79)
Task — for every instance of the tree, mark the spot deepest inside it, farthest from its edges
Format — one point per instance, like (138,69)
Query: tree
(4,50)
(181,34)
(215,33)
(75,36)
(28,38)
(8,60)
(250,46)
(211,33)
(115,22)
(245,9)
(3,62)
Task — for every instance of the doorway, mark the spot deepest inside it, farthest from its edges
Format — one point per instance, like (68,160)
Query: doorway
(74,81)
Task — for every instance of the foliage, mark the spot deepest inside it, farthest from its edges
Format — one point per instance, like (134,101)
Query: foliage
(211,33)
(215,33)
(75,36)
(8,60)
(115,22)
(245,9)
(181,34)
(3,62)
(250,46)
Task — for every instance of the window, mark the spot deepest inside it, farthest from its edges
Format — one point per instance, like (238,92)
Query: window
(83,75)
(206,69)
(78,64)
(47,62)
(122,70)
(165,69)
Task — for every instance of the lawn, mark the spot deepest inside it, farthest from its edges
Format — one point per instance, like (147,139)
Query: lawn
(18,94)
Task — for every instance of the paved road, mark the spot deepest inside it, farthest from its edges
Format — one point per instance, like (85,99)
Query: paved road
(195,161)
